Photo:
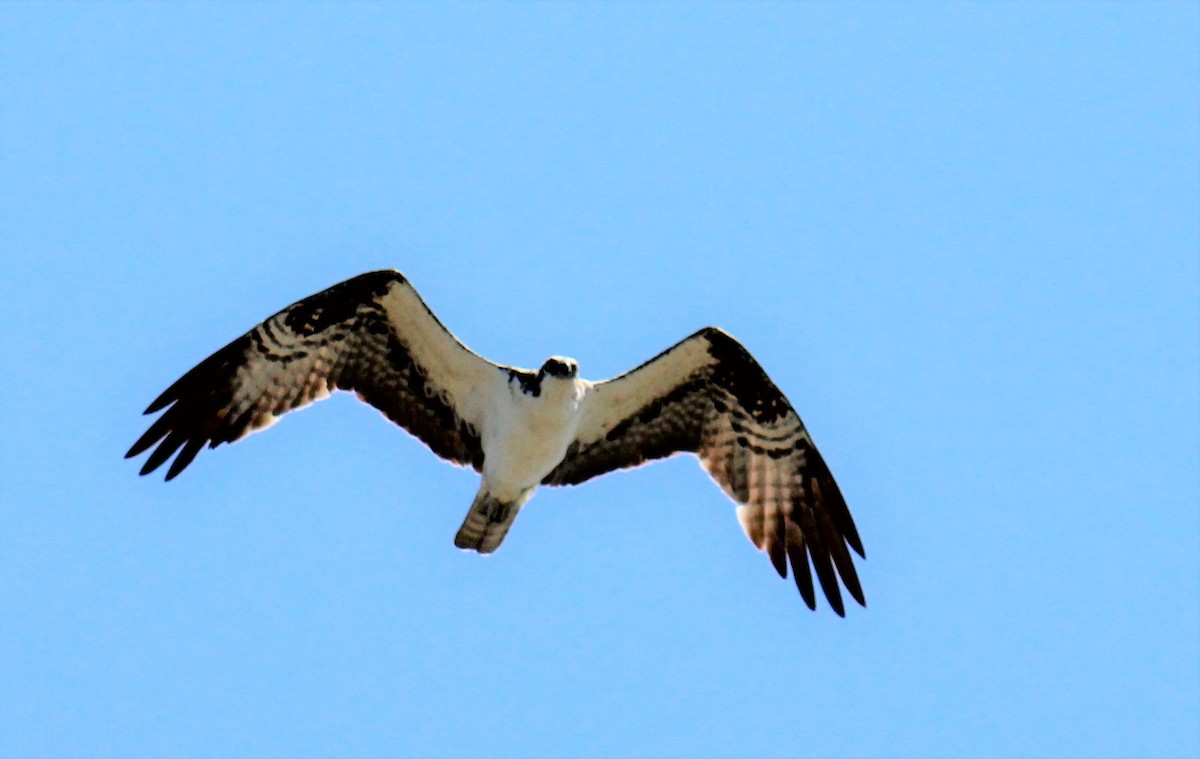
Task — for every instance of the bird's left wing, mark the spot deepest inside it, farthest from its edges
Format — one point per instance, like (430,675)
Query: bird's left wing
(372,335)
(707,395)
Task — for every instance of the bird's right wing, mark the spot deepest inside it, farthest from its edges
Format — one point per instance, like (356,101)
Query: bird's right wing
(372,335)
(707,395)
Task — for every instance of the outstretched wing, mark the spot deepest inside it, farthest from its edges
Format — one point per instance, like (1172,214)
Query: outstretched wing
(707,395)
(371,334)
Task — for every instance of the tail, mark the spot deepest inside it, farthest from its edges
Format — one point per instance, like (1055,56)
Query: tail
(488,521)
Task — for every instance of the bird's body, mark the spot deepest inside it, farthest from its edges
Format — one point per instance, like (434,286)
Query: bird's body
(527,436)
(519,428)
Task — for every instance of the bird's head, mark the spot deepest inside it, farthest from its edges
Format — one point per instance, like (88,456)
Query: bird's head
(560,367)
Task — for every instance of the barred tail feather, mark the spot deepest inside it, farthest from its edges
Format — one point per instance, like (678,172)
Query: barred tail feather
(488,521)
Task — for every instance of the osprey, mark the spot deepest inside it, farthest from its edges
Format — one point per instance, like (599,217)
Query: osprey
(520,428)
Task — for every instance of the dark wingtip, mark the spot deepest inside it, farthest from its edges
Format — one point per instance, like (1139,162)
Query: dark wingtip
(823,563)
(159,403)
(190,449)
(148,438)
(835,601)
(164,451)
(778,553)
(851,583)
(834,501)
(801,574)
(147,468)
(851,535)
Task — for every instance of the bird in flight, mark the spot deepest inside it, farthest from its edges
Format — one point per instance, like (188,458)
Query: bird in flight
(520,428)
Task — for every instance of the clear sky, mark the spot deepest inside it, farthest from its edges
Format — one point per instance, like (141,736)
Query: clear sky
(963,238)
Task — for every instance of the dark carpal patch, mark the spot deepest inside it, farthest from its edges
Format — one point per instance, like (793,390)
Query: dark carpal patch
(737,372)
(339,303)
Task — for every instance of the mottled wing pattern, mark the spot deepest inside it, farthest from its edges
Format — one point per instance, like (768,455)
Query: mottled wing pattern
(372,335)
(707,395)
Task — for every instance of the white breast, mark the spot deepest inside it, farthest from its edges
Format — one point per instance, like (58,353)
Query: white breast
(531,434)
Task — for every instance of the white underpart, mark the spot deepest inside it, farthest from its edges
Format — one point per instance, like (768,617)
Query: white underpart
(527,436)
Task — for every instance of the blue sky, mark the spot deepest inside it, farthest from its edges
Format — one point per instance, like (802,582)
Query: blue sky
(963,238)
